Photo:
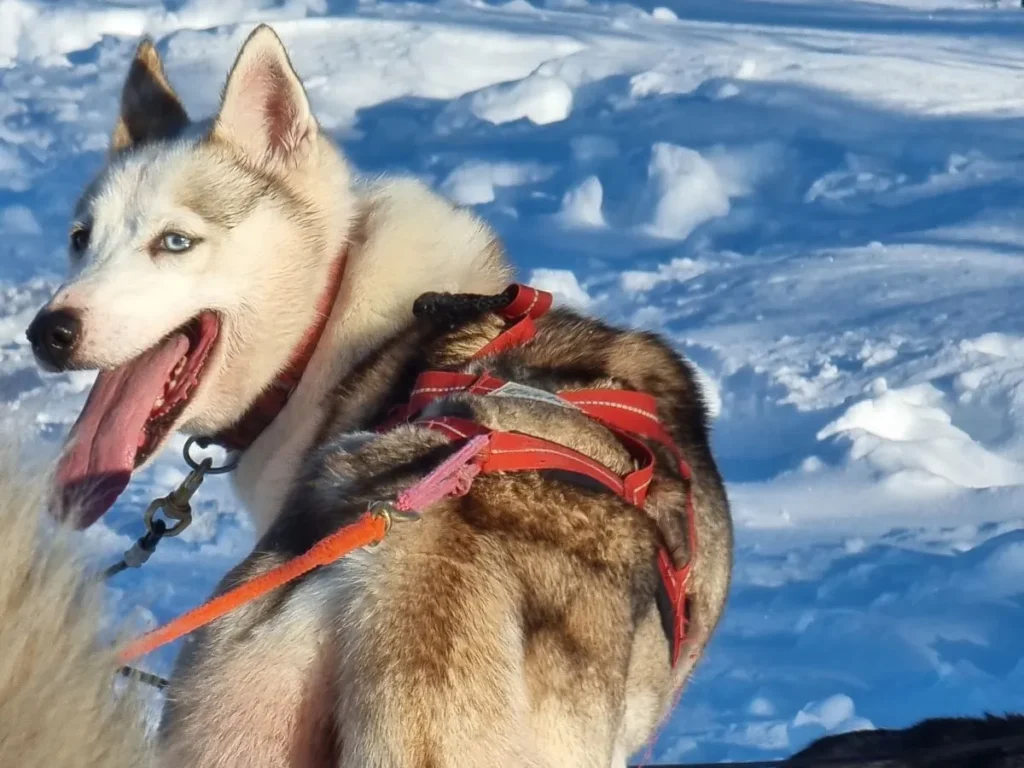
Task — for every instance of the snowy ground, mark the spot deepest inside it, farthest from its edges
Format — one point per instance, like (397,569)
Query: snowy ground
(819,201)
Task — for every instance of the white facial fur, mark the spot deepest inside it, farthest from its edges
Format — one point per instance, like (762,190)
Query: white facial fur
(129,294)
(234,190)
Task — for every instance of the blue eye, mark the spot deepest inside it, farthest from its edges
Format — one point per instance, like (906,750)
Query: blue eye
(175,242)
(79,239)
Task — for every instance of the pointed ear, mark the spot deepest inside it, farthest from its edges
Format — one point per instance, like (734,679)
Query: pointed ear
(150,109)
(265,112)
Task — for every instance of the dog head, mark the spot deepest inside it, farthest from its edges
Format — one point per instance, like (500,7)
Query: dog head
(186,231)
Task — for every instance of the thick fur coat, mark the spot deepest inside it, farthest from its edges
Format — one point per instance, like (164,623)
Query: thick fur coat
(57,706)
(515,626)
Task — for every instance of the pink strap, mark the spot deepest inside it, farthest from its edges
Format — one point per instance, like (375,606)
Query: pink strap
(451,478)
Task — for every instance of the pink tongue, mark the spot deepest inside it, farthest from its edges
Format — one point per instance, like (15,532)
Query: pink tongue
(103,443)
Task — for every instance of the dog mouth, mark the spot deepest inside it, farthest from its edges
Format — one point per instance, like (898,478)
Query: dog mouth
(128,415)
(201,334)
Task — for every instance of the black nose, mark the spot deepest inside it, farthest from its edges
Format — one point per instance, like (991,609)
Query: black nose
(54,336)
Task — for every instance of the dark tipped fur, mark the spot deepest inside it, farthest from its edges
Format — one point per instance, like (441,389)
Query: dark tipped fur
(533,585)
(943,742)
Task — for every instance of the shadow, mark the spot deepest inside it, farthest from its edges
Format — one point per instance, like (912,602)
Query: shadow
(850,16)
(803,134)
(789,140)
(907,658)
(754,407)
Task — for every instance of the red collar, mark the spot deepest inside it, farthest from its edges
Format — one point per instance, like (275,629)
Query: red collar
(273,400)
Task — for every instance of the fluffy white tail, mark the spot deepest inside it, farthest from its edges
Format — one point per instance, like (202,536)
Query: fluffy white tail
(57,706)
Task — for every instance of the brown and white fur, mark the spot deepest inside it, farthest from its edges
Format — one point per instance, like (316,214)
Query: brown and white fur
(56,707)
(514,627)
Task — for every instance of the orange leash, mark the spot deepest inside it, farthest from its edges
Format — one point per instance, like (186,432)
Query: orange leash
(368,529)
(452,477)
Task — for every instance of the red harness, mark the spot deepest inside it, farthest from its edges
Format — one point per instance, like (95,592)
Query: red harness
(630,416)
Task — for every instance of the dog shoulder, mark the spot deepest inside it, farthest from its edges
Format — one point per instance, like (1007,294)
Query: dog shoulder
(410,227)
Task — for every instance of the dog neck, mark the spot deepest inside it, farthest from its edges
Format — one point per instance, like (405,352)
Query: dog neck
(275,397)
(403,242)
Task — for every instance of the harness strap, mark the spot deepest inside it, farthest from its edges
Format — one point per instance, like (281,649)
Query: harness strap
(627,414)
(434,385)
(526,301)
(517,452)
(638,412)
(527,305)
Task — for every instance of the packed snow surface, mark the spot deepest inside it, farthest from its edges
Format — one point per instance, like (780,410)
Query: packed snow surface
(818,201)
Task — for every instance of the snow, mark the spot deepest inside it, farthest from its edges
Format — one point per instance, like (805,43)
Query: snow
(473,183)
(18,220)
(683,191)
(563,286)
(819,202)
(541,99)
(581,204)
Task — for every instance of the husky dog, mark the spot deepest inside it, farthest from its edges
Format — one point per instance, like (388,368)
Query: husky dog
(517,625)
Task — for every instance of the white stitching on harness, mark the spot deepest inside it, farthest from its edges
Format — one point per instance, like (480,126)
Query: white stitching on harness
(636,491)
(423,390)
(623,406)
(536,297)
(578,460)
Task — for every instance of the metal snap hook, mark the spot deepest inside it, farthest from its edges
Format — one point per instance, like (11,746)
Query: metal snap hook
(205,442)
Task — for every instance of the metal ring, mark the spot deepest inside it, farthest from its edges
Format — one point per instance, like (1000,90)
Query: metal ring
(202,442)
(173,530)
(382,510)
(170,531)
(391,514)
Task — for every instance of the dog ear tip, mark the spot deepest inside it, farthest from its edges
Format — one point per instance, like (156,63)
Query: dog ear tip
(146,46)
(264,34)
(147,56)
